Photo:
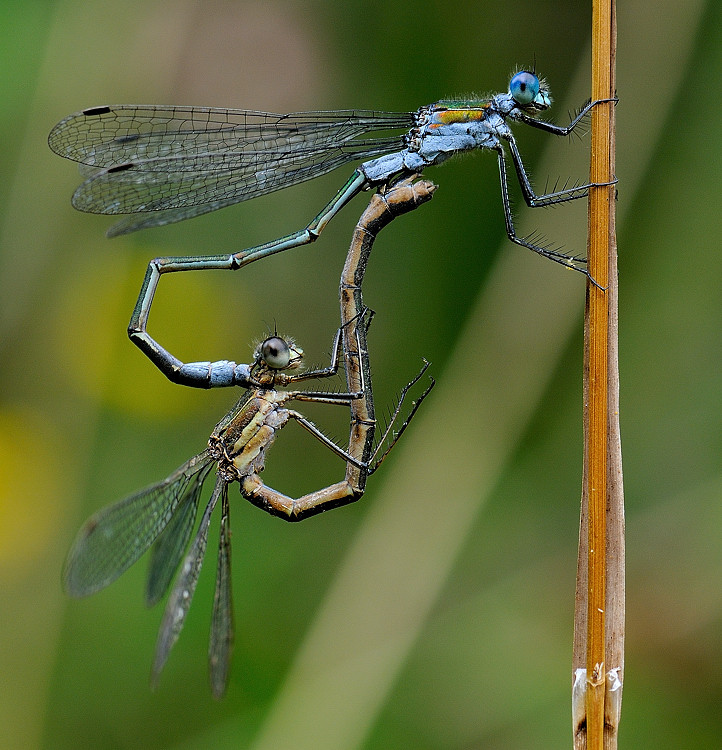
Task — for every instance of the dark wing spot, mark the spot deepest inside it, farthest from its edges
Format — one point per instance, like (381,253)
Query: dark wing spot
(122,167)
(95,111)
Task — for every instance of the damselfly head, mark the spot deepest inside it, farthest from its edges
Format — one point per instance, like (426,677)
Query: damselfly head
(530,92)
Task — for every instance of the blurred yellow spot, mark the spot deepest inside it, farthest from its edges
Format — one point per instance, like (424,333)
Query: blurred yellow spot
(31,460)
(190,318)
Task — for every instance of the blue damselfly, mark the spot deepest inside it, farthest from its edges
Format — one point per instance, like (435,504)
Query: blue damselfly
(172,163)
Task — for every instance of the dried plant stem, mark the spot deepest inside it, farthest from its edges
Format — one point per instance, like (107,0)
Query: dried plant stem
(599,616)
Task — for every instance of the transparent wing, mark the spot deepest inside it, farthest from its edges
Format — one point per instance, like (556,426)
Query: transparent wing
(221,640)
(181,597)
(115,537)
(169,548)
(191,160)
(103,137)
(186,188)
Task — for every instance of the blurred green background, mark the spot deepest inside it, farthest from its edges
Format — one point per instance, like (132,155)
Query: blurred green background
(437,612)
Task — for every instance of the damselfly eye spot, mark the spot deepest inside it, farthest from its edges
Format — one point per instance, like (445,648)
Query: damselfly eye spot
(276,353)
(524,87)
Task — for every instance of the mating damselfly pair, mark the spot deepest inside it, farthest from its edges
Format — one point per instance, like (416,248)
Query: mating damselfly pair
(173,163)
(161,518)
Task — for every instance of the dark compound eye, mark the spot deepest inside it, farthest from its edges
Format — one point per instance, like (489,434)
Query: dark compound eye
(276,353)
(524,87)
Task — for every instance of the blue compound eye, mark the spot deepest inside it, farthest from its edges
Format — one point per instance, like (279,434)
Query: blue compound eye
(524,87)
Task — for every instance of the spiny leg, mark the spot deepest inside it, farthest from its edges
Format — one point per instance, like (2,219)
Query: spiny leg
(311,427)
(374,464)
(337,347)
(564,130)
(547,199)
(321,397)
(557,257)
